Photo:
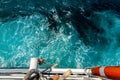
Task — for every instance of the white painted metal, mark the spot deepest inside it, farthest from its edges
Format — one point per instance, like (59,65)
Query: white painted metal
(33,63)
(52,70)
(81,77)
(18,74)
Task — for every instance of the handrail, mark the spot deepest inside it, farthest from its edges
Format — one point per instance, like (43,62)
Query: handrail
(54,70)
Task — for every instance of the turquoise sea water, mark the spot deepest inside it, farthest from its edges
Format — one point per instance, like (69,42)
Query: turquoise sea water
(72,33)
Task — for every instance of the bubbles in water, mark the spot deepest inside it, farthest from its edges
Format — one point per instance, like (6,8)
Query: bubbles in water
(25,33)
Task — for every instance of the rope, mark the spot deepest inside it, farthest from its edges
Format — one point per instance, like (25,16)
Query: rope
(49,68)
(32,75)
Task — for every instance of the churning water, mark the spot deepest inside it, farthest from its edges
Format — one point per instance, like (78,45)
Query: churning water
(71,33)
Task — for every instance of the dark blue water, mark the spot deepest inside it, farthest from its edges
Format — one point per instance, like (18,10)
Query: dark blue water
(71,33)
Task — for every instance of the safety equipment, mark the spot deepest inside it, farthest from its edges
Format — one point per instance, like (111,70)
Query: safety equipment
(111,72)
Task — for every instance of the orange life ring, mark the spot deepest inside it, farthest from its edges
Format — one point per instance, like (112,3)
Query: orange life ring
(111,72)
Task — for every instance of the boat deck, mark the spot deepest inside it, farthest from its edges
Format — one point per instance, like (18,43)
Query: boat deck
(18,74)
